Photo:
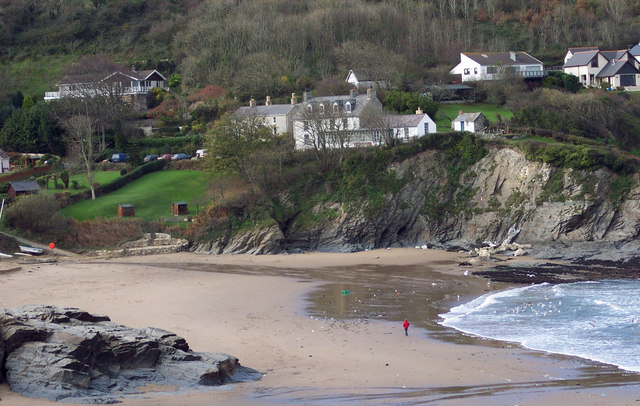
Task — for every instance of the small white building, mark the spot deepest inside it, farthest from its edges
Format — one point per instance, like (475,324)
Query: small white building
(475,66)
(410,127)
(4,162)
(471,122)
(277,116)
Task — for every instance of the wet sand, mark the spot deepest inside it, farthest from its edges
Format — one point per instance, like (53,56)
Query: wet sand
(322,328)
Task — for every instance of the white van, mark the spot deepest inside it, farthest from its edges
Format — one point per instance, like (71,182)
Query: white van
(201,153)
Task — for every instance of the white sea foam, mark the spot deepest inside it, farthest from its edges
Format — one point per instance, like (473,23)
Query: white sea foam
(594,320)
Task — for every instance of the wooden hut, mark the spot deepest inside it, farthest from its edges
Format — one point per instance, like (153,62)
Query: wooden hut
(126,210)
(179,208)
(23,188)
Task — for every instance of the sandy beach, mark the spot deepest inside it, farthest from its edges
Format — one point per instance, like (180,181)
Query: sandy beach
(257,309)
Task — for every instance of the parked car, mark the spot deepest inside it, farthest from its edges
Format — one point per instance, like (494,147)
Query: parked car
(150,158)
(119,157)
(166,156)
(180,156)
(201,153)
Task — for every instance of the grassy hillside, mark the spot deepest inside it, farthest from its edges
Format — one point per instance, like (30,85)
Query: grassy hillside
(151,195)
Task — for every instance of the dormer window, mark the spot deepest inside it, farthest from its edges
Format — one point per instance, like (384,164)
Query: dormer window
(335,107)
(321,108)
(309,108)
(347,107)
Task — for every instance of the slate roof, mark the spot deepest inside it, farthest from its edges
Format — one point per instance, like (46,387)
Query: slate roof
(502,58)
(617,68)
(617,54)
(582,49)
(272,110)
(25,186)
(468,117)
(357,104)
(406,120)
(581,58)
(4,155)
(635,51)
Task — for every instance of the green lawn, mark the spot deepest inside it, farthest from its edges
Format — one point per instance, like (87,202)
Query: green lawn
(151,195)
(447,112)
(100,177)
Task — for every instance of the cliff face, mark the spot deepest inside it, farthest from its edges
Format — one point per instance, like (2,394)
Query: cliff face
(501,197)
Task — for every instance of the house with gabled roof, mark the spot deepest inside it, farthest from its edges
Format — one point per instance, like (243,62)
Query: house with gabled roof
(277,116)
(365,79)
(131,84)
(571,51)
(410,127)
(616,68)
(471,122)
(475,66)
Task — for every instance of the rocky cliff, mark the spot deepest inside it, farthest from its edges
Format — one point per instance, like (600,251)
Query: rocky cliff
(501,197)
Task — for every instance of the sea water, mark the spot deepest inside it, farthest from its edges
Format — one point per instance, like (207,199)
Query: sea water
(599,321)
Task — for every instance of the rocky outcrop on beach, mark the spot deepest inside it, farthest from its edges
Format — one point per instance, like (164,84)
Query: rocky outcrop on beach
(66,354)
(149,244)
(561,213)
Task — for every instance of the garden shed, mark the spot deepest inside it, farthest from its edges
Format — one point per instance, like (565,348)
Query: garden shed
(178,208)
(23,188)
(126,210)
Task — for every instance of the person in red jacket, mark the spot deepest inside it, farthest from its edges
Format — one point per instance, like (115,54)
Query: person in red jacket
(406,327)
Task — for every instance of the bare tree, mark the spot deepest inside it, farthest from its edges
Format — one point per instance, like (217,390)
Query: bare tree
(83,142)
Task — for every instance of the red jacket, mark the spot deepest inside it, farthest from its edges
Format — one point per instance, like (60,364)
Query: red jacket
(405,324)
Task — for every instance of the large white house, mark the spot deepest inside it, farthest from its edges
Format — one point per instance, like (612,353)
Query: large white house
(132,85)
(475,66)
(277,116)
(617,68)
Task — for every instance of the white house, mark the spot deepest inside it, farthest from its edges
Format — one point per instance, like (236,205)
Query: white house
(617,68)
(410,127)
(277,116)
(585,65)
(132,85)
(494,65)
(572,51)
(471,122)
(363,79)
(338,119)
(4,162)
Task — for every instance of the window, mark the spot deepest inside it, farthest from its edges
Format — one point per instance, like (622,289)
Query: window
(321,106)
(344,123)
(306,126)
(274,120)
(492,69)
(594,62)
(335,107)
(627,80)
(309,108)
(475,71)
(426,128)
(467,71)
(348,107)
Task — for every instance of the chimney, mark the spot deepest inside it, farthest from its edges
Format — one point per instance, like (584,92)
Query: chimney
(513,55)
(252,102)
(306,96)
(460,112)
(371,93)
(294,99)
(133,68)
(268,101)
(353,93)
(419,111)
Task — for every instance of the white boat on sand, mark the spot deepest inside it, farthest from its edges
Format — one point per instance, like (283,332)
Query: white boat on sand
(30,250)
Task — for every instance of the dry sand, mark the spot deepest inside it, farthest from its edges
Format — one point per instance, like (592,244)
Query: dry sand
(260,318)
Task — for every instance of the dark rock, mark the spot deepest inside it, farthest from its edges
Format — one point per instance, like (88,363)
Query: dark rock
(72,355)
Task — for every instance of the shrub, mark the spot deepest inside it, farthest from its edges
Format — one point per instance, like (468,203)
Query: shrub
(38,215)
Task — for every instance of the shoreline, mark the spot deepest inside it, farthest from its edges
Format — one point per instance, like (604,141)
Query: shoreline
(241,309)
